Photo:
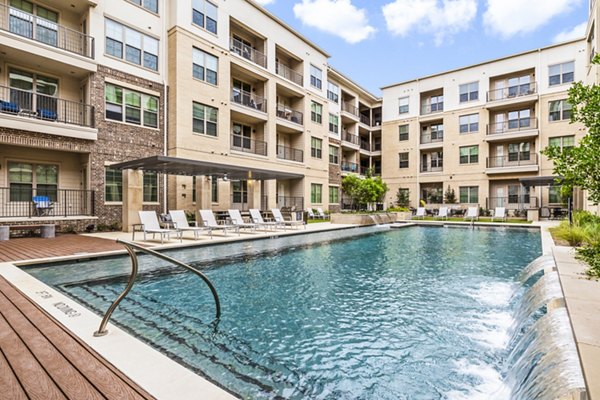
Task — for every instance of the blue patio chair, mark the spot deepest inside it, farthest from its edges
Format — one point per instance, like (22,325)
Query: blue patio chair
(9,107)
(43,205)
(47,114)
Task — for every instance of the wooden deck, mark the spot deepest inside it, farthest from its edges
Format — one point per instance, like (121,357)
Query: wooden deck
(40,359)
(18,249)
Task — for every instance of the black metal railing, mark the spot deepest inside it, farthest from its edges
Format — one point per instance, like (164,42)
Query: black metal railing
(432,108)
(247,145)
(376,146)
(351,138)
(249,100)
(289,74)
(365,145)
(290,153)
(295,203)
(432,137)
(49,201)
(45,108)
(350,167)
(289,114)
(511,92)
(44,31)
(247,52)
(433,166)
(512,125)
(513,202)
(512,160)
(350,108)
(365,120)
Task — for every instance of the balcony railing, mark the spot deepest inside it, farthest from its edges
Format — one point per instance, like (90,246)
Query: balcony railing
(512,160)
(350,167)
(247,145)
(512,125)
(365,120)
(365,145)
(289,74)
(512,92)
(351,138)
(249,100)
(291,115)
(432,108)
(44,31)
(248,52)
(294,203)
(434,166)
(45,108)
(290,153)
(18,201)
(376,146)
(437,137)
(350,108)
(513,202)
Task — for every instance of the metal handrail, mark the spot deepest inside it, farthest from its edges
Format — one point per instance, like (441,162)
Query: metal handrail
(131,248)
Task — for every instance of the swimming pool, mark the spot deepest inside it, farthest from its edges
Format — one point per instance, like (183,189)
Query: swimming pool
(417,313)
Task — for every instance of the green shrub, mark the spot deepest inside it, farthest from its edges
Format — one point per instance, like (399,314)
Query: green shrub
(592,234)
(583,218)
(398,209)
(573,234)
(591,255)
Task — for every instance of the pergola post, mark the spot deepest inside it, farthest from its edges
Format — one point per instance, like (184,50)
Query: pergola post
(133,198)
(271,186)
(203,194)
(254,194)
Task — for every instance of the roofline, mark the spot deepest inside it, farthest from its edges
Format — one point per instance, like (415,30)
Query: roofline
(485,62)
(286,26)
(353,83)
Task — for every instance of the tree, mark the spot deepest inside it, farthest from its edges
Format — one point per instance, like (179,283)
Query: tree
(365,191)
(350,184)
(579,166)
(450,196)
(403,197)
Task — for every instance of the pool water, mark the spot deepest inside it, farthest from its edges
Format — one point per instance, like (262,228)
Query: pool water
(415,313)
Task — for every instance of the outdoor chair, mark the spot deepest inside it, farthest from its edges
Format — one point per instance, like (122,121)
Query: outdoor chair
(236,219)
(311,214)
(209,222)
(321,214)
(149,223)
(258,219)
(181,224)
(472,214)
(43,205)
(420,213)
(278,216)
(499,213)
(442,213)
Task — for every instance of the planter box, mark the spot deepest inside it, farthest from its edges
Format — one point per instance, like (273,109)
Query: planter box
(401,215)
(362,219)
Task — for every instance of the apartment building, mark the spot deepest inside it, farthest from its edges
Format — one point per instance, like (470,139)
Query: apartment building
(480,130)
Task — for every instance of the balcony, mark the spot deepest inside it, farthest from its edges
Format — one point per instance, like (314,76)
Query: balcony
(248,145)
(365,145)
(350,108)
(512,163)
(365,120)
(433,166)
(512,129)
(512,92)
(286,72)
(247,52)
(351,138)
(290,153)
(295,203)
(350,167)
(249,100)
(289,114)
(427,109)
(17,202)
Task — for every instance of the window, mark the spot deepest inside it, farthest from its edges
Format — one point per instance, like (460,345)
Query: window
(316,112)
(469,92)
(334,155)
(242,136)
(403,132)
(150,5)
(333,92)
(433,104)
(23,177)
(316,77)
(113,185)
(132,46)
(519,151)
(560,110)
(554,196)
(33,91)
(403,160)
(205,119)
(316,193)
(469,194)
(562,141)
(140,109)
(561,73)
(403,105)
(239,191)
(469,123)
(205,66)
(316,147)
(214,189)
(334,194)
(334,124)
(204,14)
(46,30)
(150,187)
(520,86)
(519,119)
(469,155)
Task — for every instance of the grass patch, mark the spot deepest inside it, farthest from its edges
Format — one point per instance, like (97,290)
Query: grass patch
(316,221)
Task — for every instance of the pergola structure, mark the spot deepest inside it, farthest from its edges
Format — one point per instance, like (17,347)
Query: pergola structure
(133,182)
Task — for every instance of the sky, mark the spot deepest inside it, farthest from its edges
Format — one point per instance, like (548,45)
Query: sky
(382,42)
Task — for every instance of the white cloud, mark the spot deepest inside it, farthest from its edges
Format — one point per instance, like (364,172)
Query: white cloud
(512,17)
(577,32)
(338,17)
(264,2)
(441,18)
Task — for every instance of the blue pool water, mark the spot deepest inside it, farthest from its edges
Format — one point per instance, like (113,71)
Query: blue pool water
(416,313)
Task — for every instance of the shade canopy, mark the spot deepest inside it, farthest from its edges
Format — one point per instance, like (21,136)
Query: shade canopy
(540,180)
(186,167)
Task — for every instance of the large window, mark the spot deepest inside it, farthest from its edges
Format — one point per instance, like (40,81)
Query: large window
(150,187)
(316,147)
(469,123)
(126,105)
(214,189)
(205,66)
(334,194)
(33,92)
(239,190)
(113,185)
(560,110)
(334,154)
(562,141)
(130,45)
(403,132)
(150,5)
(316,112)
(24,177)
(403,105)
(561,73)
(333,92)
(316,193)
(205,119)
(519,151)
(554,196)
(469,194)
(469,155)
(316,77)
(334,124)
(469,92)
(21,22)
(205,15)
(403,160)
(242,136)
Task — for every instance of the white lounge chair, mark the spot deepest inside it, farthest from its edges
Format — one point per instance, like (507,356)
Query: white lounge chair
(282,221)
(311,214)
(236,219)
(472,214)
(499,213)
(420,213)
(149,224)
(181,224)
(321,214)
(209,222)
(258,219)
(442,213)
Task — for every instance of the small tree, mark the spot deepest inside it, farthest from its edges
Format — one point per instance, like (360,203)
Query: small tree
(364,192)
(403,197)
(450,196)
(350,185)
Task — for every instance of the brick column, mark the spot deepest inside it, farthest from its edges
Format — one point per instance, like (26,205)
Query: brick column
(133,197)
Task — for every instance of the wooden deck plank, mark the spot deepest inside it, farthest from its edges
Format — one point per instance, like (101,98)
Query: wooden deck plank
(11,387)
